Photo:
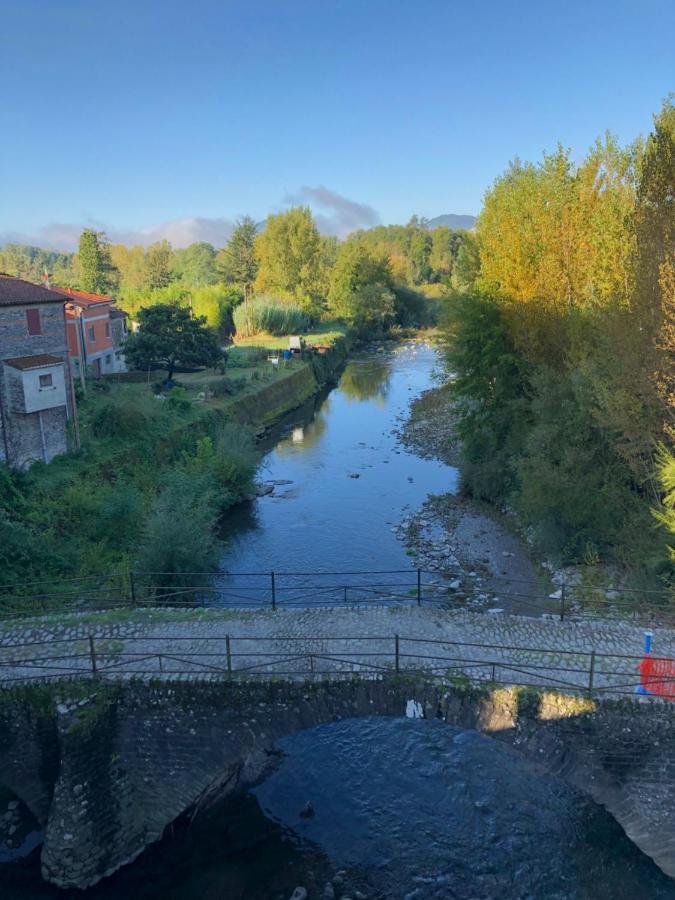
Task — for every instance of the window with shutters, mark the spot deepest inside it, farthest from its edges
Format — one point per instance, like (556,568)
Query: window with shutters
(92,333)
(33,321)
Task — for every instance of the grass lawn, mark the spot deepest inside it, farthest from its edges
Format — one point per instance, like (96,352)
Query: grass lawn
(248,368)
(325,334)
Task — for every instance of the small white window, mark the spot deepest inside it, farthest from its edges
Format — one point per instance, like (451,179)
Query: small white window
(46,381)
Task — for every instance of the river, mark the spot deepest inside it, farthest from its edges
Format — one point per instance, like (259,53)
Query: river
(401,808)
(324,519)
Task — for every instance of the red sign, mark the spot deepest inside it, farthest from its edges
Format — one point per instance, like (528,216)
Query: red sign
(658,676)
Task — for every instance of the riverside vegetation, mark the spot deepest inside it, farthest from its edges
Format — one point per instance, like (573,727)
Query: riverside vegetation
(562,345)
(559,316)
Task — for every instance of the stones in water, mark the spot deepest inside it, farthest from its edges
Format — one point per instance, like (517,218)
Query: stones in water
(300,893)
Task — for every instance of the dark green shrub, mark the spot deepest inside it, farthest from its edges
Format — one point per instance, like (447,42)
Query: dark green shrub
(124,414)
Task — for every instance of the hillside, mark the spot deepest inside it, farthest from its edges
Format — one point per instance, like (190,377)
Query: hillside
(453,221)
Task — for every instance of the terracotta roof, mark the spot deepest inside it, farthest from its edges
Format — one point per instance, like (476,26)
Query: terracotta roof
(33,362)
(17,292)
(84,298)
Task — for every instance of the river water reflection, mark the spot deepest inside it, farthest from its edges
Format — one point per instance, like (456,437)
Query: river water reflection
(325,519)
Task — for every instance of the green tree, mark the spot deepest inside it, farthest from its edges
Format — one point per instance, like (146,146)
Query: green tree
(169,336)
(467,264)
(419,252)
(654,300)
(96,271)
(195,266)
(360,287)
(158,263)
(441,254)
(289,254)
(327,256)
(489,394)
(237,261)
(665,514)
(130,263)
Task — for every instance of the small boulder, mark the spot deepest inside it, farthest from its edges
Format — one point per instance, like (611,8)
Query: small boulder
(300,893)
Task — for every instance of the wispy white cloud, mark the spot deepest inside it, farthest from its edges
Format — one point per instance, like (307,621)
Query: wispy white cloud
(334,213)
(181,232)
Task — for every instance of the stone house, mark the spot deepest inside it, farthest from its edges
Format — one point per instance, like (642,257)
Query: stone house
(95,336)
(36,388)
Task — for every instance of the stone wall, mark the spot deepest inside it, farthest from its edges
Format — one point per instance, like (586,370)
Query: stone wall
(271,401)
(136,756)
(29,750)
(27,437)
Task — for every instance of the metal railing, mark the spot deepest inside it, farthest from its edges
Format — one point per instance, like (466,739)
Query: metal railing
(228,656)
(310,589)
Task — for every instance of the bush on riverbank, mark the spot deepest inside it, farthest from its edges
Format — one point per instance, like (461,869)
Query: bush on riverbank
(532,438)
(271,316)
(145,489)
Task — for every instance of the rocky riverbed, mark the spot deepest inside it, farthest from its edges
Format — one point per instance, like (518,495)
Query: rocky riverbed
(487,564)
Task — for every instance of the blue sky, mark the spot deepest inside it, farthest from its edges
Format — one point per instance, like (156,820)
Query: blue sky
(172,118)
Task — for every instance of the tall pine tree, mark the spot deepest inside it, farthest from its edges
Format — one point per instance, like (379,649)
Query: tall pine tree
(98,275)
(237,261)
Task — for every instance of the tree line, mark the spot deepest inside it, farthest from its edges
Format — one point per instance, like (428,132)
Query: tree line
(372,279)
(563,343)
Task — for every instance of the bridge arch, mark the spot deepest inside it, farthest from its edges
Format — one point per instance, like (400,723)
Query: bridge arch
(134,756)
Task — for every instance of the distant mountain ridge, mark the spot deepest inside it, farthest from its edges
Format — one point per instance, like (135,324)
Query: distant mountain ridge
(453,221)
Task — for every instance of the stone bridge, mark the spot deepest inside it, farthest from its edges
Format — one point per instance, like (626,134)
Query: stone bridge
(187,707)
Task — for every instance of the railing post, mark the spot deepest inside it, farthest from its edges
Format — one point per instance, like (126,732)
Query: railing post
(562,601)
(274,591)
(228,651)
(591,674)
(161,667)
(419,587)
(92,655)
(397,654)
(132,588)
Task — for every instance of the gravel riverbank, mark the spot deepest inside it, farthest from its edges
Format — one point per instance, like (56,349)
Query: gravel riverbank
(475,548)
